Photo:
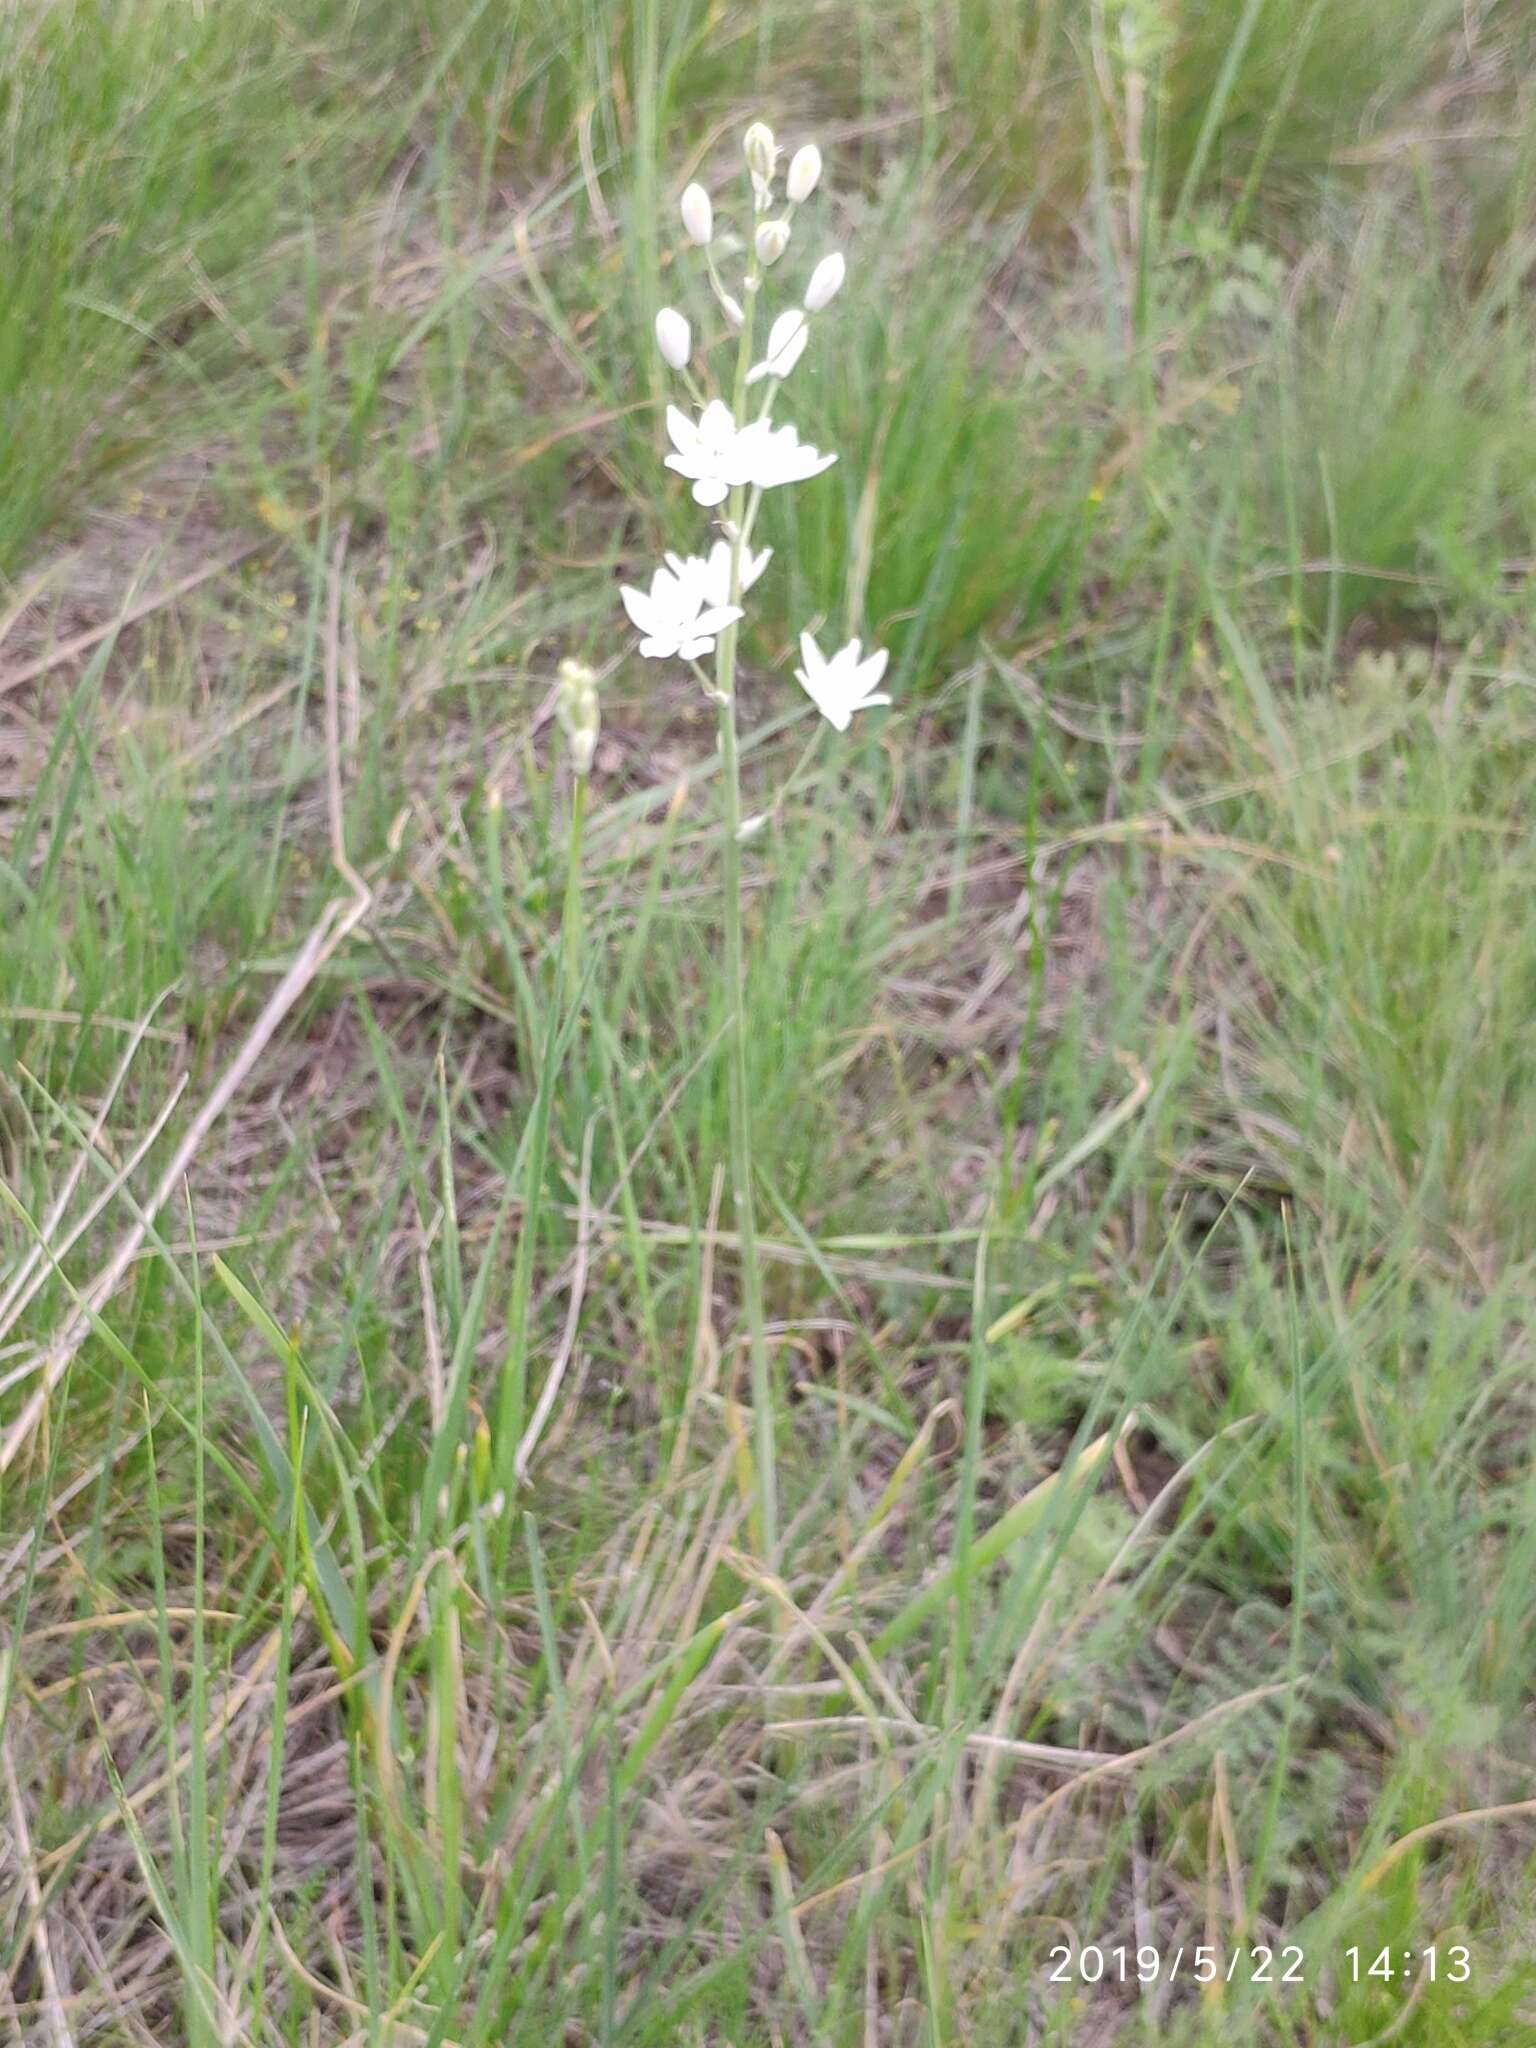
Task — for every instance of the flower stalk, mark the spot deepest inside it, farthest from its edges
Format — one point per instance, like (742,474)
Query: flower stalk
(693,608)
(739,1099)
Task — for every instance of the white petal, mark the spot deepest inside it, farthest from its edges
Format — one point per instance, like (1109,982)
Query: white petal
(739,459)
(812,691)
(639,607)
(793,350)
(789,326)
(832,709)
(717,618)
(781,457)
(753,566)
(811,655)
(685,435)
(709,490)
(658,650)
(715,577)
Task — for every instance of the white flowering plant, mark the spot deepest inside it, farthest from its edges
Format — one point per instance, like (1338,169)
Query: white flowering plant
(731,451)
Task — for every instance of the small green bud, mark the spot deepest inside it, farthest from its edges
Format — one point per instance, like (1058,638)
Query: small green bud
(762,153)
(760,150)
(771,240)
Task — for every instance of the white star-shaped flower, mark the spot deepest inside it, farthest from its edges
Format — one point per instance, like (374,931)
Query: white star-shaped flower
(777,455)
(844,684)
(674,619)
(709,451)
(719,457)
(711,573)
(786,345)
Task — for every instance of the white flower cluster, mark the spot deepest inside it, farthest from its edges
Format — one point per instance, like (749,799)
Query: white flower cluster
(731,459)
(721,457)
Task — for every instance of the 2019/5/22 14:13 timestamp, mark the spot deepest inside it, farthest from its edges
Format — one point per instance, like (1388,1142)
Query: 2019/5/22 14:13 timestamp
(1393,1965)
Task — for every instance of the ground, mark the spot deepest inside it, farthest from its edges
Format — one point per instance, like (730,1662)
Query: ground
(1138,1037)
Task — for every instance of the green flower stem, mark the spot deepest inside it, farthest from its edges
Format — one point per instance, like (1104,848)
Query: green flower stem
(766,1530)
(512,1407)
(570,914)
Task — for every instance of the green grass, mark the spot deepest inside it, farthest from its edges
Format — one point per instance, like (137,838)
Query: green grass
(1138,1038)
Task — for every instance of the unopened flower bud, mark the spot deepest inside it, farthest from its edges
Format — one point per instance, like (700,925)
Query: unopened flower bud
(771,240)
(826,282)
(760,150)
(673,337)
(804,173)
(735,318)
(576,707)
(698,216)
